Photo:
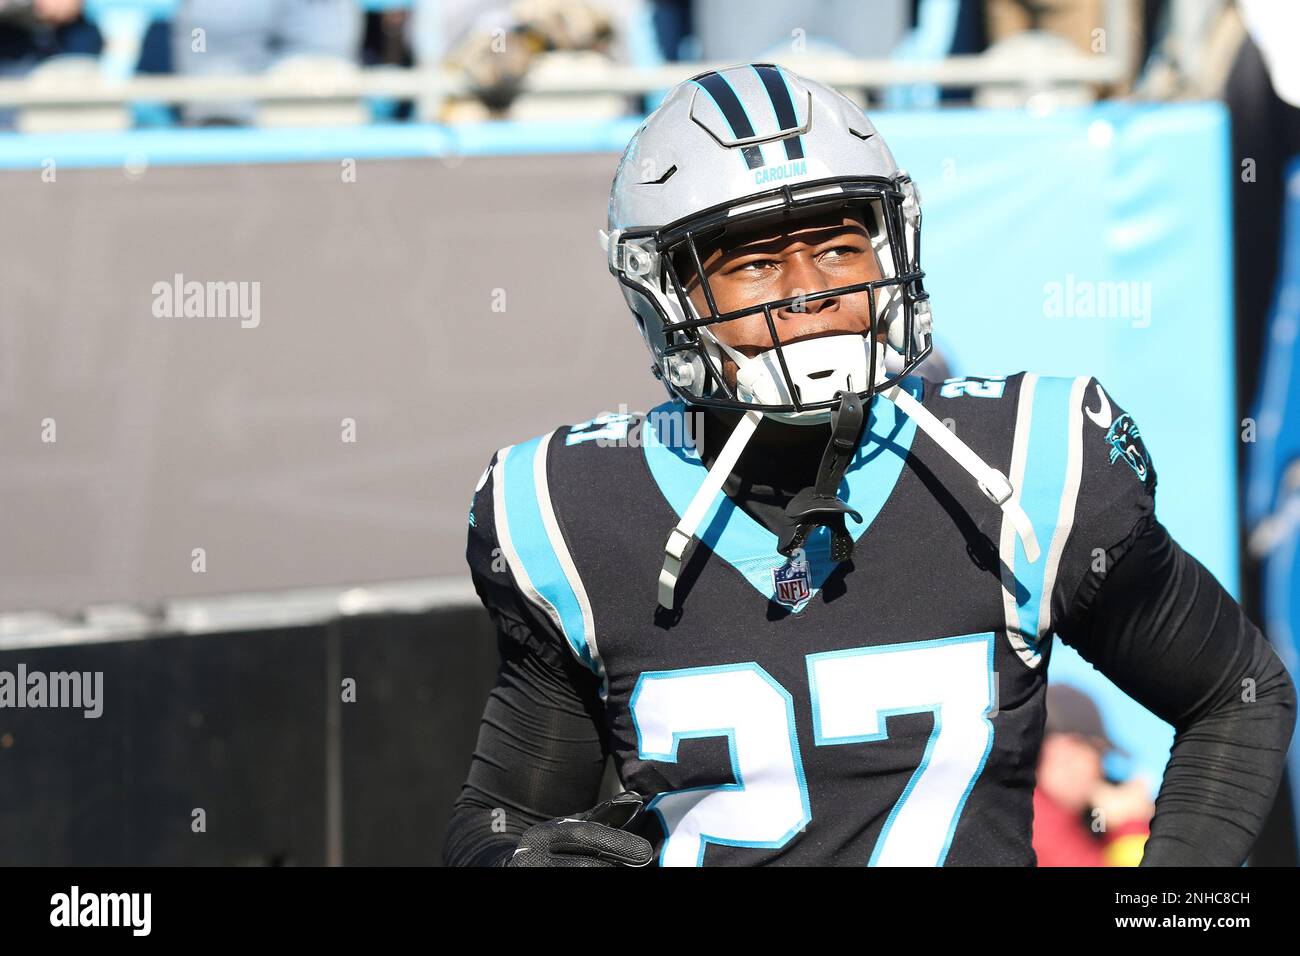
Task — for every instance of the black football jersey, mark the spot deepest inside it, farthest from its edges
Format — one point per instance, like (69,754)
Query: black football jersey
(886,710)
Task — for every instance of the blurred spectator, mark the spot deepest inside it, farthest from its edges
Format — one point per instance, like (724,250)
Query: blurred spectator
(497,43)
(1080,818)
(224,37)
(1082,24)
(32,30)
(857,29)
(902,30)
(941,28)
(384,41)
(674,28)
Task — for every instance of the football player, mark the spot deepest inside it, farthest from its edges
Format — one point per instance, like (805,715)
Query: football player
(838,654)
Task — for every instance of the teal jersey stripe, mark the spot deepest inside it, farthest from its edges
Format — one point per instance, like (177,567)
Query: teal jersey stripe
(1040,493)
(533,546)
(733,535)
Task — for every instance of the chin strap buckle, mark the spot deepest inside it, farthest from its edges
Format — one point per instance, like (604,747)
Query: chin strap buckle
(996,487)
(820,505)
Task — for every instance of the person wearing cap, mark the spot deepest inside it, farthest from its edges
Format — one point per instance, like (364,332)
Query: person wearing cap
(1080,817)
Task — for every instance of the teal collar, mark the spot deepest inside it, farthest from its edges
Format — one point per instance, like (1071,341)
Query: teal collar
(736,537)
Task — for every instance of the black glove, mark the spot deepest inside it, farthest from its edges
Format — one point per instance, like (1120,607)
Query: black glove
(593,838)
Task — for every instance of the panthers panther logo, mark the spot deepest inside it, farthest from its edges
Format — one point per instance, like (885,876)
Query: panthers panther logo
(1126,442)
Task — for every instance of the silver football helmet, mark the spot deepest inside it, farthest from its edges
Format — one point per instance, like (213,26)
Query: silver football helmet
(733,148)
(747,145)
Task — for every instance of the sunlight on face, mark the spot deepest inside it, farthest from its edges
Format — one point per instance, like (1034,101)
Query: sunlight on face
(782,261)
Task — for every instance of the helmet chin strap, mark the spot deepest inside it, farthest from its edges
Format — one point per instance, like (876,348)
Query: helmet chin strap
(819,504)
(995,485)
(682,534)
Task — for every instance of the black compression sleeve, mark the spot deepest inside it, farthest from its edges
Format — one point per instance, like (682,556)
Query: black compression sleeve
(1163,629)
(540,755)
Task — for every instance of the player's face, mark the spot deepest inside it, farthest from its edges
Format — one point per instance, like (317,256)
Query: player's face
(782,261)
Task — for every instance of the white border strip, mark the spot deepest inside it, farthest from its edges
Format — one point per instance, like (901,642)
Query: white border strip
(1007,542)
(231,612)
(562,555)
(507,544)
(1069,499)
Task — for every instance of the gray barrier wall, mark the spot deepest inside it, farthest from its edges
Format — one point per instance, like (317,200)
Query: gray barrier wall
(446,307)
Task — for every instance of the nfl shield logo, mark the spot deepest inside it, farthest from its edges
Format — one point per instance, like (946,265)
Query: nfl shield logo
(790,581)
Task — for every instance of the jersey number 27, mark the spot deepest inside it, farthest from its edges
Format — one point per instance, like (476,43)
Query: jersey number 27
(853,693)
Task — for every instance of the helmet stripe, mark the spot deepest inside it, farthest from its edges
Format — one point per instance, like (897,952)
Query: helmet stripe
(783,106)
(716,85)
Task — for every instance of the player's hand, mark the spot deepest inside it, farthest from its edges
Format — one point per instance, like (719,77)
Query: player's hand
(593,838)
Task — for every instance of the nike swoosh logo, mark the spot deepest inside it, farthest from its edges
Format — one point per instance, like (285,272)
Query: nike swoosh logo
(1102,417)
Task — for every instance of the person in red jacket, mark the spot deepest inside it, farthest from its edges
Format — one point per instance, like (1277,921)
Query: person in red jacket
(1081,818)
